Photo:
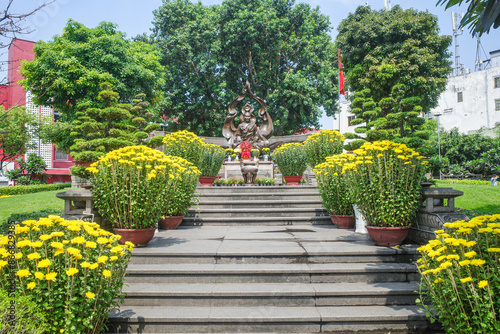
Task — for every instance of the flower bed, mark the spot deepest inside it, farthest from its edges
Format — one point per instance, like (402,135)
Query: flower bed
(460,272)
(72,270)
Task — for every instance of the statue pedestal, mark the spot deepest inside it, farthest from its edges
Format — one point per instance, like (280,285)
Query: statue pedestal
(233,169)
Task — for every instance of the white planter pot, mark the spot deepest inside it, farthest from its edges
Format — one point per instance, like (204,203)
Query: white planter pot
(360,221)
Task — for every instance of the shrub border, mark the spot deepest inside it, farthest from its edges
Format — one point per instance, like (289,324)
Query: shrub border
(21,190)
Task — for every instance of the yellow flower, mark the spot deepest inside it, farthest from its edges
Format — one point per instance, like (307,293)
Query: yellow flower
(445,265)
(90,244)
(57,234)
(94,266)
(477,262)
(34,256)
(453,257)
(45,237)
(56,245)
(3,263)
(65,242)
(59,251)
(114,258)
(106,273)
(102,259)
(482,284)
(44,263)
(438,280)
(90,295)
(494,250)
(39,275)
(74,228)
(102,241)
(84,264)
(31,285)
(470,254)
(464,263)
(23,273)
(78,240)
(51,276)
(465,280)
(36,244)
(71,271)
(23,243)
(73,251)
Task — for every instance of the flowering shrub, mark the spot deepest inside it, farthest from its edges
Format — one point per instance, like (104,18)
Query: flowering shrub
(72,269)
(134,184)
(186,145)
(211,160)
(179,196)
(291,159)
(323,144)
(333,185)
(229,151)
(460,273)
(385,179)
(29,316)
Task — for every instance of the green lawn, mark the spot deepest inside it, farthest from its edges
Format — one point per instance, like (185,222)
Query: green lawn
(480,198)
(29,203)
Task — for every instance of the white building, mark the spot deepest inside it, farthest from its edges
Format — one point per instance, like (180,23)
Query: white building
(470,102)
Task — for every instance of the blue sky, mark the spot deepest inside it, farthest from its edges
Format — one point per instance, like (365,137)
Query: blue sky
(134,17)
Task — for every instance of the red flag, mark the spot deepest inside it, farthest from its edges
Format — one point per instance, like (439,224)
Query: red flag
(341,75)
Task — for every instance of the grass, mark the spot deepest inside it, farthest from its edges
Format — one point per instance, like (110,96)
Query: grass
(30,202)
(481,198)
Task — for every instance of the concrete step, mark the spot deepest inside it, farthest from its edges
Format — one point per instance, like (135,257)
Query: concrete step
(271,273)
(294,220)
(345,319)
(208,211)
(258,195)
(275,203)
(257,189)
(270,294)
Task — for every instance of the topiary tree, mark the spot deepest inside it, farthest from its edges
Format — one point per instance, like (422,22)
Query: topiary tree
(113,125)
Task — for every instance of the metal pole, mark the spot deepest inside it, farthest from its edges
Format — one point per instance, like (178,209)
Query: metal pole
(439,149)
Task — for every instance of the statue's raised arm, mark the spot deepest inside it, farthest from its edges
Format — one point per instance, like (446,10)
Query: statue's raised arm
(247,129)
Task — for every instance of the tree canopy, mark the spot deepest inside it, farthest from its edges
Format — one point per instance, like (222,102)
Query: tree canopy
(282,49)
(381,49)
(70,68)
(481,14)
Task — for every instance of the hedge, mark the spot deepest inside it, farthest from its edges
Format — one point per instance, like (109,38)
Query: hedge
(20,217)
(463,181)
(21,190)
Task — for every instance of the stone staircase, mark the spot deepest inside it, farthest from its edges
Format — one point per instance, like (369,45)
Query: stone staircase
(265,205)
(252,277)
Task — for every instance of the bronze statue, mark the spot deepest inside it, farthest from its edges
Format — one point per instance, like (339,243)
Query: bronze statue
(248,130)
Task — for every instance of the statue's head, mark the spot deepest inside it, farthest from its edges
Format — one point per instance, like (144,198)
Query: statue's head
(247,113)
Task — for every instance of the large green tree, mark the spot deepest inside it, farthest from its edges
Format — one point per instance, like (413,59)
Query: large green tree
(15,133)
(70,68)
(283,49)
(384,48)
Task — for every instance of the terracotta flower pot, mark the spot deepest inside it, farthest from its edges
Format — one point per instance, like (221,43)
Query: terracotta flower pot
(293,180)
(388,236)
(170,222)
(343,221)
(207,181)
(140,237)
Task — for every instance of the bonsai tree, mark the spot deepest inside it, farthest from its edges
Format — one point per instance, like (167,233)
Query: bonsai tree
(109,126)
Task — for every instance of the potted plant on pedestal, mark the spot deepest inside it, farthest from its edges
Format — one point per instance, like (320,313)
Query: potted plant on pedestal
(292,162)
(265,153)
(129,190)
(385,179)
(334,189)
(229,153)
(323,144)
(179,197)
(211,163)
(255,154)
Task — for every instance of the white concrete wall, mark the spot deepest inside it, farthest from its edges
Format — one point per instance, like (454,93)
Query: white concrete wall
(479,94)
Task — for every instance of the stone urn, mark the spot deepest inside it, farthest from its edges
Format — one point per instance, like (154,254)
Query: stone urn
(249,170)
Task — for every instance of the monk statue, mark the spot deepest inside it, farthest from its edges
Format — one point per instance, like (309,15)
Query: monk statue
(247,129)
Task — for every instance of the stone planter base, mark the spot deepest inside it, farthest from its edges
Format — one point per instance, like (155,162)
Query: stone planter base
(343,221)
(139,237)
(170,222)
(388,236)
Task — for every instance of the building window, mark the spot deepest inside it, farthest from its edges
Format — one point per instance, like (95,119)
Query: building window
(61,156)
(460,97)
(349,120)
(497,105)
(497,82)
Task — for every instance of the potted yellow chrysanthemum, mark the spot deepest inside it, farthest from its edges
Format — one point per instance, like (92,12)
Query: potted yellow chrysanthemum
(131,187)
(292,162)
(385,180)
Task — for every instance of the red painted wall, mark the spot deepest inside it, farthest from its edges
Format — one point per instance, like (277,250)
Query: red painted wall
(12,94)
